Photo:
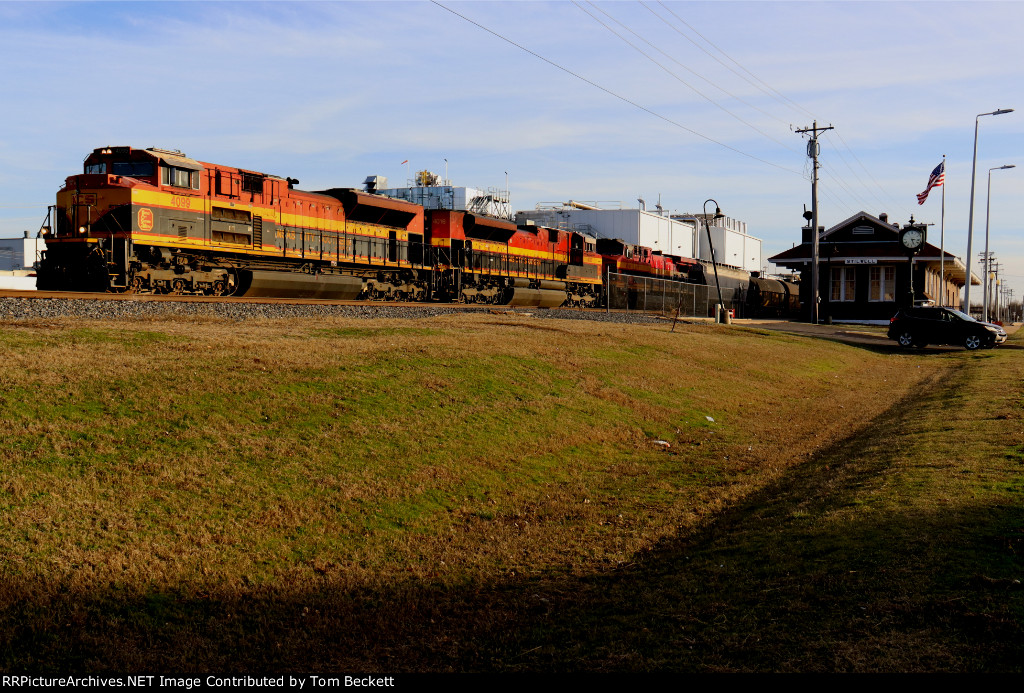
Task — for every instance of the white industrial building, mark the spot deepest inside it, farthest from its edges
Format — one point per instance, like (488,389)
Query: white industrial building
(636,226)
(432,192)
(17,261)
(677,234)
(671,234)
(20,253)
(733,245)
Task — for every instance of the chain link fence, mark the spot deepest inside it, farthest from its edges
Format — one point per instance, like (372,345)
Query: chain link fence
(664,296)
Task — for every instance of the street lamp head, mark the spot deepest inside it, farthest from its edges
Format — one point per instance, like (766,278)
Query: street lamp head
(1001,111)
(718,210)
(1009,166)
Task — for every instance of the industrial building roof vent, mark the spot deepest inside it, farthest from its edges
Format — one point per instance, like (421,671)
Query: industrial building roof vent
(374,183)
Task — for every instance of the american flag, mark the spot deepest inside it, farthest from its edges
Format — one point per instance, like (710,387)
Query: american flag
(934,181)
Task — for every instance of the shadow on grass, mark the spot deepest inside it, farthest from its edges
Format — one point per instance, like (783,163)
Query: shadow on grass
(810,574)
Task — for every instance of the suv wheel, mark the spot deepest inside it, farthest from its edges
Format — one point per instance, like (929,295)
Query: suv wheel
(907,339)
(973,342)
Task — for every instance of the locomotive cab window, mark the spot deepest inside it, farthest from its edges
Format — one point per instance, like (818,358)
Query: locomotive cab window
(179,177)
(133,169)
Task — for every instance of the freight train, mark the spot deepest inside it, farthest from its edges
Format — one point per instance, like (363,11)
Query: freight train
(156,221)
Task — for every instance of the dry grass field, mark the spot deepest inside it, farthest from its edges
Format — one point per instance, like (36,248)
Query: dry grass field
(487,493)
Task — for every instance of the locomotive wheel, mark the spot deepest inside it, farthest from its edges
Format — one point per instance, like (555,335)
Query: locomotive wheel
(218,288)
(136,285)
(178,287)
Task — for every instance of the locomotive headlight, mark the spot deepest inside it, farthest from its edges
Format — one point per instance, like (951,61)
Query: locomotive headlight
(81,230)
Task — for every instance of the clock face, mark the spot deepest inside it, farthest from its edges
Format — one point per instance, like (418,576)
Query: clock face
(912,238)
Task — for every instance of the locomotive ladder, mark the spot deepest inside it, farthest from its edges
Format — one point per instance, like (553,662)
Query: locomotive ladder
(117,263)
(257,232)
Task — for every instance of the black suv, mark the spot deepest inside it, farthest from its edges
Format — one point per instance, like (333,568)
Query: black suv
(919,327)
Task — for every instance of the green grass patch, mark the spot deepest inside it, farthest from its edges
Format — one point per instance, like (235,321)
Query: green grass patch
(459,492)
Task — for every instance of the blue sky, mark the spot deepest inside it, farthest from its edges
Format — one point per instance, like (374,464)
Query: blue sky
(330,92)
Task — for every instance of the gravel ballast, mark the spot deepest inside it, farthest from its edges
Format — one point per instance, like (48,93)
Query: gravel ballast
(99,309)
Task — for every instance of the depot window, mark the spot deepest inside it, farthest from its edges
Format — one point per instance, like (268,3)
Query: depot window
(844,284)
(883,284)
(179,177)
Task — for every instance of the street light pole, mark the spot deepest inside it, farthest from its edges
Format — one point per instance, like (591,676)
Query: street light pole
(988,256)
(711,246)
(970,218)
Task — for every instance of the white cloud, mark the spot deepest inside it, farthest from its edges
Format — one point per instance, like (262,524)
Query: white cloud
(329,92)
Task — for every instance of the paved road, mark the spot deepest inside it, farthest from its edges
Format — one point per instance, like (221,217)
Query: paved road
(873,335)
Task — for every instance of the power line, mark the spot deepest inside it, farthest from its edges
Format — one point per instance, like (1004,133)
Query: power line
(778,96)
(842,184)
(765,89)
(612,93)
(691,71)
(868,174)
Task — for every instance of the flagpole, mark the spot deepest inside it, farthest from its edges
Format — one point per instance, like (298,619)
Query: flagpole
(942,240)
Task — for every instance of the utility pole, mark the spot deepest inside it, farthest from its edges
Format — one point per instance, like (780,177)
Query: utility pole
(812,151)
(995,290)
(988,260)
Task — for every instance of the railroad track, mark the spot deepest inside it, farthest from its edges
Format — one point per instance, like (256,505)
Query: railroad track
(184,298)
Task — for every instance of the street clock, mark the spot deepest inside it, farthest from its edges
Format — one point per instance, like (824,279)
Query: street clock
(912,239)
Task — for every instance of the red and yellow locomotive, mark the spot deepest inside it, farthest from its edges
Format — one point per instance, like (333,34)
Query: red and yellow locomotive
(153,220)
(639,261)
(495,261)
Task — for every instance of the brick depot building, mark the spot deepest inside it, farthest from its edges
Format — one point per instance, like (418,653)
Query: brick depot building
(865,273)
